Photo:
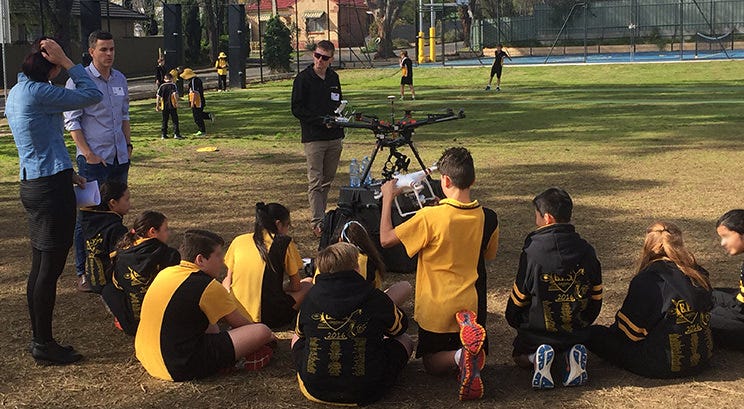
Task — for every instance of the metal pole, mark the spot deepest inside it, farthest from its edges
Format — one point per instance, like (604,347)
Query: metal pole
(297,36)
(442,34)
(260,44)
(5,81)
(498,21)
(586,9)
(433,33)
(681,29)
(328,19)
(420,39)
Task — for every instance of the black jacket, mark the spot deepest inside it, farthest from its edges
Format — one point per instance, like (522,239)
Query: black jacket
(312,99)
(341,325)
(196,85)
(558,290)
(664,321)
(101,231)
(135,267)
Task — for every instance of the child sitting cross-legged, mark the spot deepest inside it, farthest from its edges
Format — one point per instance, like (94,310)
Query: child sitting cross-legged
(178,338)
(350,343)
(557,294)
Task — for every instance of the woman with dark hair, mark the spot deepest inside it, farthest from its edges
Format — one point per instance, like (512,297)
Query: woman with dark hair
(34,111)
(727,316)
(662,330)
(257,264)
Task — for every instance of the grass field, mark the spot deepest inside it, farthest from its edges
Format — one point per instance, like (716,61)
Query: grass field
(631,143)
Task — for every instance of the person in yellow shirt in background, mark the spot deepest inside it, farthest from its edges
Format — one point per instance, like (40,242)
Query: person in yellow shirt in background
(221,66)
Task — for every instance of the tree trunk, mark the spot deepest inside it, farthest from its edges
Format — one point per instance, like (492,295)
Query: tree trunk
(213,20)
(385,13)
(58,13)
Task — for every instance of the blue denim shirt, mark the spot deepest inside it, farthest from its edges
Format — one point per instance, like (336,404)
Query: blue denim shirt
(101,123)
(34,111)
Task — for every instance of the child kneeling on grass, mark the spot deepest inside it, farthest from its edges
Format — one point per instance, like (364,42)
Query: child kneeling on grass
(453,240)
(557,294)
(139,257)
(350,343)
(178,338)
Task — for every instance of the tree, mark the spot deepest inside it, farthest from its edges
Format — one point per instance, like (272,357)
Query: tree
(277,45)
(192,30)
(214,23)
(57,12)
(385,13)
(463,12)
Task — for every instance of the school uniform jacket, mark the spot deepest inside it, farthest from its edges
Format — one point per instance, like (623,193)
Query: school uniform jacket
(342,323)
(558,290)
(312,99)
(101,231)
(664,323)
(135,267)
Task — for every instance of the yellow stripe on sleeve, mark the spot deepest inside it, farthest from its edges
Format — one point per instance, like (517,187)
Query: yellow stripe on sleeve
(629,323)
(518,294)
(627,332)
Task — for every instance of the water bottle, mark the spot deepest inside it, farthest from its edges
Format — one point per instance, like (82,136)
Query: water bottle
(365,165)
(354,173)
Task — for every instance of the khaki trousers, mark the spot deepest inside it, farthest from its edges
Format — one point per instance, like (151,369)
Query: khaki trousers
(322,162)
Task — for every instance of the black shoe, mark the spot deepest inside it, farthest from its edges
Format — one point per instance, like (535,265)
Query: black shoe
(83,285)
(52,353)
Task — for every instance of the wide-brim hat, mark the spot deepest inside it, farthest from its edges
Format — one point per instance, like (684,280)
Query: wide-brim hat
(222,55)
(188,74)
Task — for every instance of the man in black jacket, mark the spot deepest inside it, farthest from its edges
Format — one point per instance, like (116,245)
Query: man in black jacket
(557,293)
(316,93)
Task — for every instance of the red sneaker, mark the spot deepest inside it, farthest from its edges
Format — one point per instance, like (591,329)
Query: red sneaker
(258,359)
(117,325)
(471,384)
(472,334)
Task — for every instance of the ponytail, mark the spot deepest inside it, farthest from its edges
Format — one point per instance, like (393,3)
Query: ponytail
(142,224)
(266,218)
(664,240)
(353,232)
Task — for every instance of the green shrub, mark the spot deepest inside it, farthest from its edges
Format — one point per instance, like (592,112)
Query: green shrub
(277,45)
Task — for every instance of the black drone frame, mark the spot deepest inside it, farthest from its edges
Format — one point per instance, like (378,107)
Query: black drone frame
(393,135)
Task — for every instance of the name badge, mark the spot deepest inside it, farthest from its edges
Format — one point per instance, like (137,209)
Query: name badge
(335,96)
(118,91)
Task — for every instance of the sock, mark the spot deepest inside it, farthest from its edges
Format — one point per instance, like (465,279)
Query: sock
(458,354)
(531,358)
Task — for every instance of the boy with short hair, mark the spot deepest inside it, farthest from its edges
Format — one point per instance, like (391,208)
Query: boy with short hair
(178,338)
(350,343)
(453,240)
(557,293)
(166,101)
(497,67)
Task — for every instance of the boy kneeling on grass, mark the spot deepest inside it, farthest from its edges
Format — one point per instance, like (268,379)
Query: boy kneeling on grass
(350,343)
(453,240)
(178,338)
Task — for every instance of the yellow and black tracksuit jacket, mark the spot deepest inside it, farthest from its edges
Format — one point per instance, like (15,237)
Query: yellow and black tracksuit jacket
(557,294)
(727,315)
(341,326)
(662,329)
(134,269)
(102,229)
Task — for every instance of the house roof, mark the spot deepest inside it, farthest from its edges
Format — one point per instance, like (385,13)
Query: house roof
(289,4)
(113,10)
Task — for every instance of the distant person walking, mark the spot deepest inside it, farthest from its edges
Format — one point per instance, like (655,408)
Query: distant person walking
(221,66)
(196,100)
(406,67)
(34,111)
(496,68)
(166,101)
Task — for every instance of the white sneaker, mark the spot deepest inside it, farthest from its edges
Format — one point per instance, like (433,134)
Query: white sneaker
(576,374)
(541,378)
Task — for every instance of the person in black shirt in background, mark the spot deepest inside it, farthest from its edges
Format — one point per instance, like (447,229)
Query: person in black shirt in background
(316,93)
(167,103)
(406,67)
(498,64)
(160,73)
(196,100)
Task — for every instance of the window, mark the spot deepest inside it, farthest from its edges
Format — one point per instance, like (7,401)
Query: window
(315,21)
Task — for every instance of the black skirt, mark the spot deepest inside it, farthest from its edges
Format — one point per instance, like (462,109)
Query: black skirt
(50,205)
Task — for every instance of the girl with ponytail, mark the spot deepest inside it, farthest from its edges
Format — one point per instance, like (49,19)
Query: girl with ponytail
(663,328)
(139,257)
(257,264)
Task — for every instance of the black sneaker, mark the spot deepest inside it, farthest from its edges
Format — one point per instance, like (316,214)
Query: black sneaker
(52,353)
